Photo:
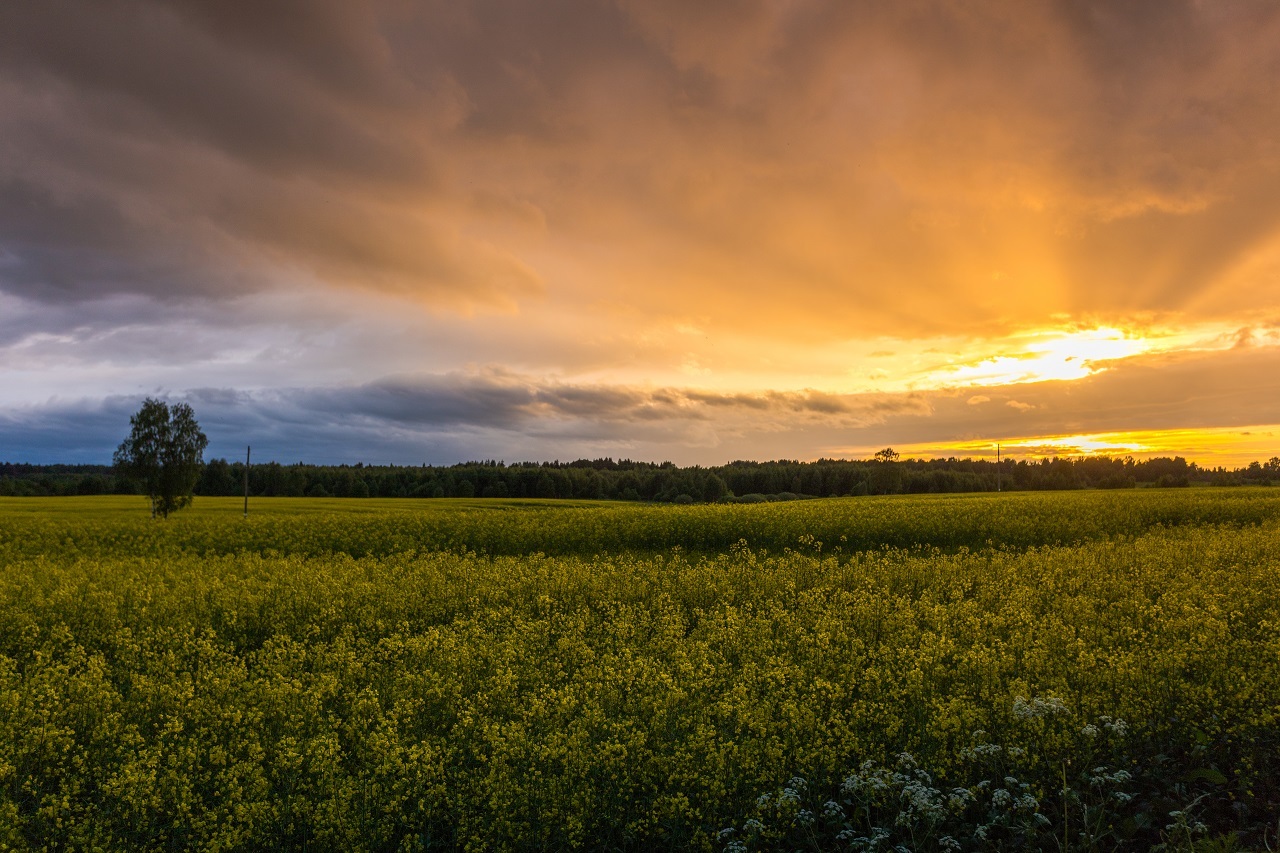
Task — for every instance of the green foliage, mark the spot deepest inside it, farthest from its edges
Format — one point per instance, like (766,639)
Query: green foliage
(489,675)
(165,453)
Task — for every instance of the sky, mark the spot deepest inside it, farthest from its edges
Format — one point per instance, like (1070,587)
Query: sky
(386,231)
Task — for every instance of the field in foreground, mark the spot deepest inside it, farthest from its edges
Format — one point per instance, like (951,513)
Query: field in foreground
(1093,670)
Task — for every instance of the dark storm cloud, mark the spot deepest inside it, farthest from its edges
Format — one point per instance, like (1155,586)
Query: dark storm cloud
(504,401)
(468,416)
(82,431)
(81,247)
(149,62)
(165,151)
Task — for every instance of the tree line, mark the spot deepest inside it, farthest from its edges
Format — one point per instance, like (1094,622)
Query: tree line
(625,479)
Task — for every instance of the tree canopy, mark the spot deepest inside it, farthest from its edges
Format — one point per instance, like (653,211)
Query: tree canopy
(164,453)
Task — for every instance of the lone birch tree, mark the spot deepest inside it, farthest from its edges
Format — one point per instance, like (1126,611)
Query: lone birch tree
(165,453)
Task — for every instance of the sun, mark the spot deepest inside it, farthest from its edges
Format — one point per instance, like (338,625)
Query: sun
(1050,355)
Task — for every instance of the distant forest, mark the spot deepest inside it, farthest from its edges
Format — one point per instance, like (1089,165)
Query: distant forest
(644,481)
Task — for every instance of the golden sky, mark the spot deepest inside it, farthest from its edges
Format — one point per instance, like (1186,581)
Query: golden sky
(384,230)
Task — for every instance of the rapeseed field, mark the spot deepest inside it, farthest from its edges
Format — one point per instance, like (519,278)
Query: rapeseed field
(1061,671)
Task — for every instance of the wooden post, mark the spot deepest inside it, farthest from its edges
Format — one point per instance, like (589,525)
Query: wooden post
(247,448)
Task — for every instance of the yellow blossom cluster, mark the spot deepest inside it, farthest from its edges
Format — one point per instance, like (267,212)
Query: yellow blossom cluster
(591,677)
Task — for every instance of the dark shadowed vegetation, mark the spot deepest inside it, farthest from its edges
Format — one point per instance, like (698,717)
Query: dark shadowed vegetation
(607,479)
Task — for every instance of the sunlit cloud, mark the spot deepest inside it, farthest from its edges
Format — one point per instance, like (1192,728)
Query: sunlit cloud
(1074,353)
(1069,355)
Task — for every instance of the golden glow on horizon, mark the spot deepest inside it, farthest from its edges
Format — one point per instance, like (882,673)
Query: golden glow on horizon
(1230,447)
(1078,445)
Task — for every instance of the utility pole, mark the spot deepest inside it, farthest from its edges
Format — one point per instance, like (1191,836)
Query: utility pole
(247,448)
(997,468)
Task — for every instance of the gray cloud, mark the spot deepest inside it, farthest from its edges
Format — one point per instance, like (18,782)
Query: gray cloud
(82,431)
(446,418)
(155,150)
(78,248)
(500,400)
